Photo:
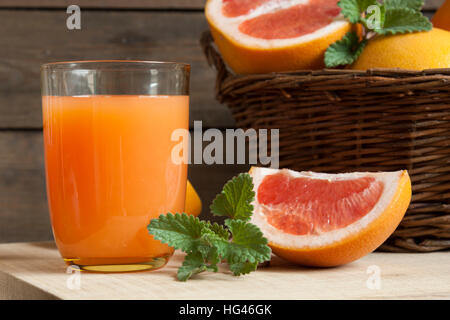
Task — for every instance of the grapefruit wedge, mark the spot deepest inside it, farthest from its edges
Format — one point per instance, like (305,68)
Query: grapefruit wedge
(260,36)
(320,219)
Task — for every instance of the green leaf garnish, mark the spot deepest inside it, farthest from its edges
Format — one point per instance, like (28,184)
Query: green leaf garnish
(194,263)
(219,230)
(235,200)
(240,268)
(344,51)
(352,9)
(403,20)
(411,4)
(180,231)
(240,243)
(377,19)
(247,244)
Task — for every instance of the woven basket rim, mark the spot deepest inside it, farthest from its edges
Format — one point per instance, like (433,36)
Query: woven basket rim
(214,58)
(229,84)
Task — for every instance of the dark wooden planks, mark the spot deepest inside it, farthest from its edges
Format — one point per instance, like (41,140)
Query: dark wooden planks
(23,208)
(30,38)
(107,4)
(23,205)
(432,4)
(134,4)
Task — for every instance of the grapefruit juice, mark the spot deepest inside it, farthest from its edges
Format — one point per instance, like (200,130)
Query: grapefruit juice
(109,171)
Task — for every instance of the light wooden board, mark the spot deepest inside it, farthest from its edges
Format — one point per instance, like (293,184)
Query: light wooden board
(36,271)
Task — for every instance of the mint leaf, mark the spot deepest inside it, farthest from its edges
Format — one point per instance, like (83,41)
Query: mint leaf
(364,4)
(240,268)
(344,51)
(352,9)
(207,250)
(411,4)
(248,243)
(218,230)
(194,263)
(180,231)
(204,258)
(403,20)
(249,239)
(240,243)
(235,199)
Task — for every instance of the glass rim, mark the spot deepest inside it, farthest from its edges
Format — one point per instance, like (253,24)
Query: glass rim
(78,64)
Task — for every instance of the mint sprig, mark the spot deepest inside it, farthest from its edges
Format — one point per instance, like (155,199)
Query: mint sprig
(180,231)
(240,268)
(411,4)
(194,263)
(377,19)
(353,9)
(344,51)
(239,243)
(403,20)
(247,243)
(235,199)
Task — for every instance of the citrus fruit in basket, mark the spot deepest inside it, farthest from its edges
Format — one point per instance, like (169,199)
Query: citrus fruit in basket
(441,19)
(193,203)
(260,36)
(320,219)
(413,51)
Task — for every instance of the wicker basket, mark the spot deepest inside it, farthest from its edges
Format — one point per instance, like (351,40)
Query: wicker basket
(343,120)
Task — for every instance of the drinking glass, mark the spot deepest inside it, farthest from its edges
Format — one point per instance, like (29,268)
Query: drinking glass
(108,157)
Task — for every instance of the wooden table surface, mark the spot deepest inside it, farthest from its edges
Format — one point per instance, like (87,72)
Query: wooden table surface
(36,271)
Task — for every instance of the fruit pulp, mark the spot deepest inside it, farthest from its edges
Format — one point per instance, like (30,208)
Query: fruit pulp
(109,171)
(303,206)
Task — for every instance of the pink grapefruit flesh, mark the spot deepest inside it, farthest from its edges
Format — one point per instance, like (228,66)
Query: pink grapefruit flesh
(236,8)
(322,219)
(261,36)
(292,22)
(297,206)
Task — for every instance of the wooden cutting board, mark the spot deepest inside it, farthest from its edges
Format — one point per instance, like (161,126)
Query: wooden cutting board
(36,271)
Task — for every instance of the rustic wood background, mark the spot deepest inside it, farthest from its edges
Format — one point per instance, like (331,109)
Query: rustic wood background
(34,32)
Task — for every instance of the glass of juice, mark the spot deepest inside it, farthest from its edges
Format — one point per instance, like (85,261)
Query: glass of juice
(108,158)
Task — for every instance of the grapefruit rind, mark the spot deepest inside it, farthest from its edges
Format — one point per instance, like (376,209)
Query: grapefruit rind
(248,55)
(344,245)
(411,51)
(230,26)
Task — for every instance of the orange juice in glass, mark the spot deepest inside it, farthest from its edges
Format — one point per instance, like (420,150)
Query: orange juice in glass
(108,158)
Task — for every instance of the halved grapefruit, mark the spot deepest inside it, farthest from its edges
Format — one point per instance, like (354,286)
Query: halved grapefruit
(260,36)
(320,219)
